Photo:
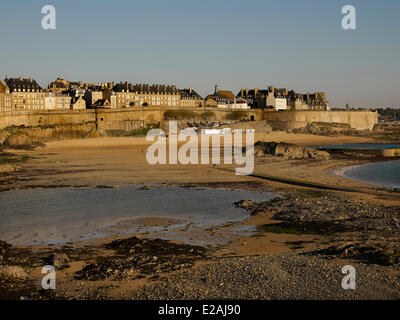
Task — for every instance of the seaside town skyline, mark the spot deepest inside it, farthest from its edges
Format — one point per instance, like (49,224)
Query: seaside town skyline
(20,94)
(66,94)
(199,44)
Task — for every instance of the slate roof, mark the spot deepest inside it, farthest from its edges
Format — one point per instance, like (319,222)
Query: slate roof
(145,88)
(23,84)
(187,93)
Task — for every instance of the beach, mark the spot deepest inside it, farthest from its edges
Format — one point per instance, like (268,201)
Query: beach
(281,247)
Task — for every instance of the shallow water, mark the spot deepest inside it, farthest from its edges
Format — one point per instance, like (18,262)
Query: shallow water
(55,216)
(376,146)
(385,174)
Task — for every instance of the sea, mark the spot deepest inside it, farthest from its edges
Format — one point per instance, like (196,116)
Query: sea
(385,173)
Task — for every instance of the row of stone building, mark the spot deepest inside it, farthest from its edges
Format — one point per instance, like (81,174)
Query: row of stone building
(125,94)
(270,98)
(283,99)
(18,94)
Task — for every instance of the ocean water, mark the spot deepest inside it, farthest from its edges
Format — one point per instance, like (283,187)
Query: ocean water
(56,216)
(385,174)
(377,146)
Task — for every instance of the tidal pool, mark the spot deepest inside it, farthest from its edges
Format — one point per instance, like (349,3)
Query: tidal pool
(60,215)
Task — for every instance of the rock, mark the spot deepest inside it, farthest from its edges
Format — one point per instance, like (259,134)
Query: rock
(13,272)
(3,136)
(245,203)
(146,188)
(7,168)
(289,151)
(18,140)
(4,249)
(388,252)
(59,259)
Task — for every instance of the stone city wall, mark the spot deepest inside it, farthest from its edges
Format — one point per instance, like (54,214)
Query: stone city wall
(127,118)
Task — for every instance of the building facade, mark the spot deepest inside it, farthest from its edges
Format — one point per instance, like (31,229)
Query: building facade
(57,101)
(59,85)
(276,99)
(225,100)
(219,97)
(129,95)
(5,97)
(93,95)
(233,104)
(282,99)
(78,103)
(26,94)
(190,98)
(62,85)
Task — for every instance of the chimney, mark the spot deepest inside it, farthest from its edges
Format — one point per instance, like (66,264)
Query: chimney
(216,88)
(30,79)
(190,90)
(241,93)
(255,92)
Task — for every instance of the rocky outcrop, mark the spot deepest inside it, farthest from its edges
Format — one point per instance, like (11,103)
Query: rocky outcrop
(21,141)
(245,204)
(28,137)
(328,214)
(59,260)
(8,168)
(135,257)
(327,129)
(380,252)
(3,136)
(289,151)
(13,272)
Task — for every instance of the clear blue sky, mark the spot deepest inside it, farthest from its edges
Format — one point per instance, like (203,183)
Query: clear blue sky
(295,44)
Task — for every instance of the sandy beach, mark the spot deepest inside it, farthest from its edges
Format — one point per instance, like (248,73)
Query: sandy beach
(117,162)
